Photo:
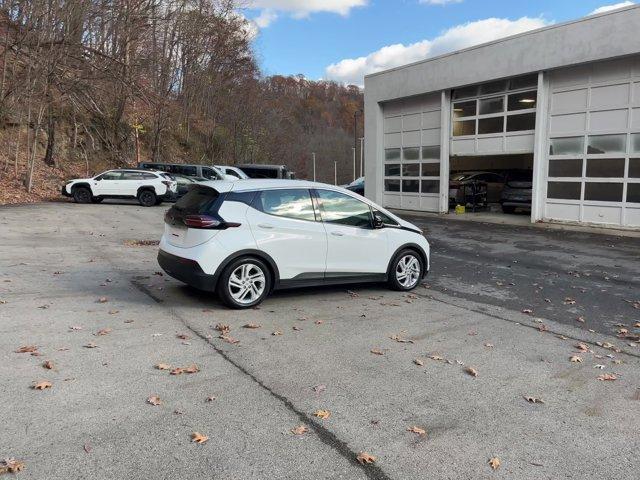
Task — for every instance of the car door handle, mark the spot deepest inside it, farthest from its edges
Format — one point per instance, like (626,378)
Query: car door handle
(337,234)
(265,225)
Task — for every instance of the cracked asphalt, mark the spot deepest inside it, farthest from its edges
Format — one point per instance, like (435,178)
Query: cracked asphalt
(57,260)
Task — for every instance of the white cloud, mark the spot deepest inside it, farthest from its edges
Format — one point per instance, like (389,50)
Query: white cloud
(615,6)
(353,70)
(440,2)
(265,18)
(302,8)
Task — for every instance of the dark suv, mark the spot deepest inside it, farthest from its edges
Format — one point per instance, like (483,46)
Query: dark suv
(517,191)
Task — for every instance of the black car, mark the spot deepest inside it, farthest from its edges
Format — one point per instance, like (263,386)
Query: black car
(357,186)
(517,191)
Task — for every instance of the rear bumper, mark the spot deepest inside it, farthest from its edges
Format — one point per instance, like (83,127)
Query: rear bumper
(187,271)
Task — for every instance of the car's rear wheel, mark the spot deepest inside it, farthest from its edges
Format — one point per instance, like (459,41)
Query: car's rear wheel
(82,195)
(147,198)
(406,271)
(244,283)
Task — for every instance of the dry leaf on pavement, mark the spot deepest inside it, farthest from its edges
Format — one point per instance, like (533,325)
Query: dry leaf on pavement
(154,400)
(176,371)
(437,358)
(48,365)
(582,347)
(163,366)
(323,414)
(417,430)
(11,465)
(576,359)
(183,336)
(222,328)
(377,351)
(90,345)
(27,349)
(419,362)
(533,399)
(300,430)
(252,325)
(494,463)
(104,331)
(527,311)
(276,333)
(191,369)
(365,458)
(471,371)
(42,385)
(198,437)
(607,377)
(103,300)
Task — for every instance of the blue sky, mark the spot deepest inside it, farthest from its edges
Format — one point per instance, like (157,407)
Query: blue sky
(345,39)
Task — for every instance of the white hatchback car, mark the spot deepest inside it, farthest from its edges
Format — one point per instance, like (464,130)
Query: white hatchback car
(244,239)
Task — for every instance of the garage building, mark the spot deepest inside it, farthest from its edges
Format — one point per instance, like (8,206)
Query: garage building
(561,102)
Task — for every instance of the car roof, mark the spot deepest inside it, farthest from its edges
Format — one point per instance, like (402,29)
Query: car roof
(136,170)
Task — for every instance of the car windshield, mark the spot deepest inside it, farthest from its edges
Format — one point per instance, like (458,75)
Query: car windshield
(357,181)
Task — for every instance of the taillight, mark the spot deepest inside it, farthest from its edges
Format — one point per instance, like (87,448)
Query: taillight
(201,221)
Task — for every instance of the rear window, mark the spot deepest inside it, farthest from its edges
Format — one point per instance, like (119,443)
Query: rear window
(199,200)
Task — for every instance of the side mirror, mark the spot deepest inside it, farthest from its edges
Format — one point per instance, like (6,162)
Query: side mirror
(378,222)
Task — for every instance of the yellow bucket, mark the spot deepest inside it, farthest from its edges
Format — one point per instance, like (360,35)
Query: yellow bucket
(460,209)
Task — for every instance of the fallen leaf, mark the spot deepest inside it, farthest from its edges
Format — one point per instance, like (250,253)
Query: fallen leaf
(103,300)
(154,400)
(222,328)
(417,430)
(296,328)
(192,369)
(176,371)
(377,351)
(183,336)
(436,357)
(104,331)
(471,371)
(276,333)
(42,385)
(75,327)
(319,388)
(533,399)
(399,339)
(27,349)
(323,414)
(211,398)
(229,339)
(494,463)
(576,359)
(90,345)
(252,325)
(607,377)
(488,345)
(300,430)
(365,458)
(419,362)
(582,347)
(319,322)
(569,301)
(48,365)
(87,448)
(11,465)
(580,319)
(600,367)
(113,312)
(527,311)
(163,366)
(198,437)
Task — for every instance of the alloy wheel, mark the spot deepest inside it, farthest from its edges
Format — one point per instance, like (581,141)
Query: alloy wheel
(247,283)
(408,271)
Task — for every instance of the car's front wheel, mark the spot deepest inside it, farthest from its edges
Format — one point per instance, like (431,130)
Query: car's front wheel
(81,195)
(147,198)
(244,283)
(406,271)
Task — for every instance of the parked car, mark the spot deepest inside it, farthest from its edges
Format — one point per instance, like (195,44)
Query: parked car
(205,171)
(232,172)
(245,239)
(184,183)
(150,188)
(357,186)
(517,191)
(267,171)
(494,183)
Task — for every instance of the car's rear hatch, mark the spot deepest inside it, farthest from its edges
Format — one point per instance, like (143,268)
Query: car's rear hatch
(199,200)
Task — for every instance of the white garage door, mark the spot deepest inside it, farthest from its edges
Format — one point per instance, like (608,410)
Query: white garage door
(412,153)
(593,171)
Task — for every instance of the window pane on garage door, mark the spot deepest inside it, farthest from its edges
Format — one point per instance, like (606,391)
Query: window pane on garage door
(603,192)
(430,186)
(634,168)
(564,190)
(565,168)
(633,192)
(605,167)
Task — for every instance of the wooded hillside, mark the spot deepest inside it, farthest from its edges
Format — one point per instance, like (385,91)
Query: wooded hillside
(87,85)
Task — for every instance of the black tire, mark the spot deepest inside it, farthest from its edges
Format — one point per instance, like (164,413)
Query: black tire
(96,199)
(81,195)
(226,291)
(158,201)
(407,257)
(147,198)
(506,209)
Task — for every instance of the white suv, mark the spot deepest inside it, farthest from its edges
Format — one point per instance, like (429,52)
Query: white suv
(244,239)
(150,188)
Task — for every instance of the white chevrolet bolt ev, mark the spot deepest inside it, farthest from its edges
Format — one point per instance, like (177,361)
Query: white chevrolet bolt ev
(244,239)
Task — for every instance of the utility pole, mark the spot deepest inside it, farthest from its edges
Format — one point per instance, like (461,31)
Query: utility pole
(354,164)
(361,154)
(355,127)
(335,172)
(314,166)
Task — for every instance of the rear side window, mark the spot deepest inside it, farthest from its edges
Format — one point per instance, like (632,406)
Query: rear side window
(185,170)
(242,197)
(290,203)
(200,200)
(344,210)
